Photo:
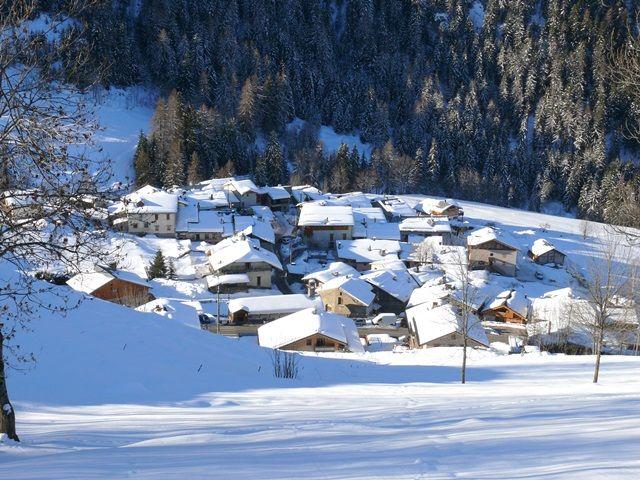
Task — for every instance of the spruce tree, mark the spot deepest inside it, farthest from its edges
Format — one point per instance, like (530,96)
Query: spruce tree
(158,267)
(143,163)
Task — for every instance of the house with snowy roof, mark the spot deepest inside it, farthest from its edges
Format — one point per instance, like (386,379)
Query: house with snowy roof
(395,209)
(349,296)
(392,288)
(113,285)
(488,248)
(266,308)
(240,254)
(253,227)
(245,191)
(361,253)
(416,229)
(544,253)
(508,306)
(150,210)
(323,225)
(316,279)
(277,198)
(443,326)
(311,330)
(195,223)
(306,193)
(370,222)
(435,207)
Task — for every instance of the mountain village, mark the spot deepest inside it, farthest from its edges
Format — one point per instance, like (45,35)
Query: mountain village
(294,268)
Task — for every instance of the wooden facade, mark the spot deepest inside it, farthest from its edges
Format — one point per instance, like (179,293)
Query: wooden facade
(503,313)
(316,343)
(124,293)
(553,256)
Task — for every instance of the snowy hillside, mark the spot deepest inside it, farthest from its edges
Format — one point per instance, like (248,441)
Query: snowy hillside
(116,393)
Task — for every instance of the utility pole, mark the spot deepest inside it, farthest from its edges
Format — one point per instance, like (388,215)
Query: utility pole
(218,308)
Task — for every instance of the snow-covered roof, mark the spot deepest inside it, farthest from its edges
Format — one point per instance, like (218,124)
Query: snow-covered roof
(541,246)
(240,250)
(242,186)
(370,222)
(305,323)
(355,287)
(433,323)
(435,206)
(262,212)
(303,193)
(210,199)
(271,304)
(333,270)
(425,225)
(183,311)
(253,227)
(313,214)
(514,299)
(149,199)
(397,283)
(193,220)
(396,207)
(488,234)
(429,294)
(388,264)
(230,279)
(366,250)
(89,282)
(276,193)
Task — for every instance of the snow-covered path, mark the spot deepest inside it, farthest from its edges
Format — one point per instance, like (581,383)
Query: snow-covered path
(532,417)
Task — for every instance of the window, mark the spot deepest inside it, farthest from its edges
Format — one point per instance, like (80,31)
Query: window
(331,237)
(155,216)
(168,216)
(146,224)
(309,342)
(339,300)
(344,236)
(134,225)
(168,228)
(157,228)
(258,280)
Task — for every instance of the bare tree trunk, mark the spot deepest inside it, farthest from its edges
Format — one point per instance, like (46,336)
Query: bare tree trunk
(7,414)
(463,378)
(598,343)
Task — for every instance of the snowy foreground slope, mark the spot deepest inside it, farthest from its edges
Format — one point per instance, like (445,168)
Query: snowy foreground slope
(122,394)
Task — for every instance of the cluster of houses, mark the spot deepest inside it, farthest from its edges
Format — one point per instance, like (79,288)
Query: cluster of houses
(356,257)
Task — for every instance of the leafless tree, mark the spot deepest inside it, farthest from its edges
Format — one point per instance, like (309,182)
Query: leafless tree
(466,299)
(607,283)
(49,190)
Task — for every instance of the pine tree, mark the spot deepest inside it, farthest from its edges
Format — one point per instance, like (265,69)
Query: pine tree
(143,163)
(194,172)
(171,269)
(157,267)
(271,168)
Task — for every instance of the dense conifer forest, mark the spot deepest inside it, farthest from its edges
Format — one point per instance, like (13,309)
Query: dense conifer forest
(507,102)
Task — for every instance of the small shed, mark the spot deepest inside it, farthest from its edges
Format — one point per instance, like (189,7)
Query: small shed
(543,252)
(117,286)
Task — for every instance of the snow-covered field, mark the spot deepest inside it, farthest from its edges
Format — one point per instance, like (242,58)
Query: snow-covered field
(122,394)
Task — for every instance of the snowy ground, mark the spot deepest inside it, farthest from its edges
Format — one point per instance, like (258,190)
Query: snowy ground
(123,394)
(523,419)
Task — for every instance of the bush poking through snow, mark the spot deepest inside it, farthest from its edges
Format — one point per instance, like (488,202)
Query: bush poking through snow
(285,364)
